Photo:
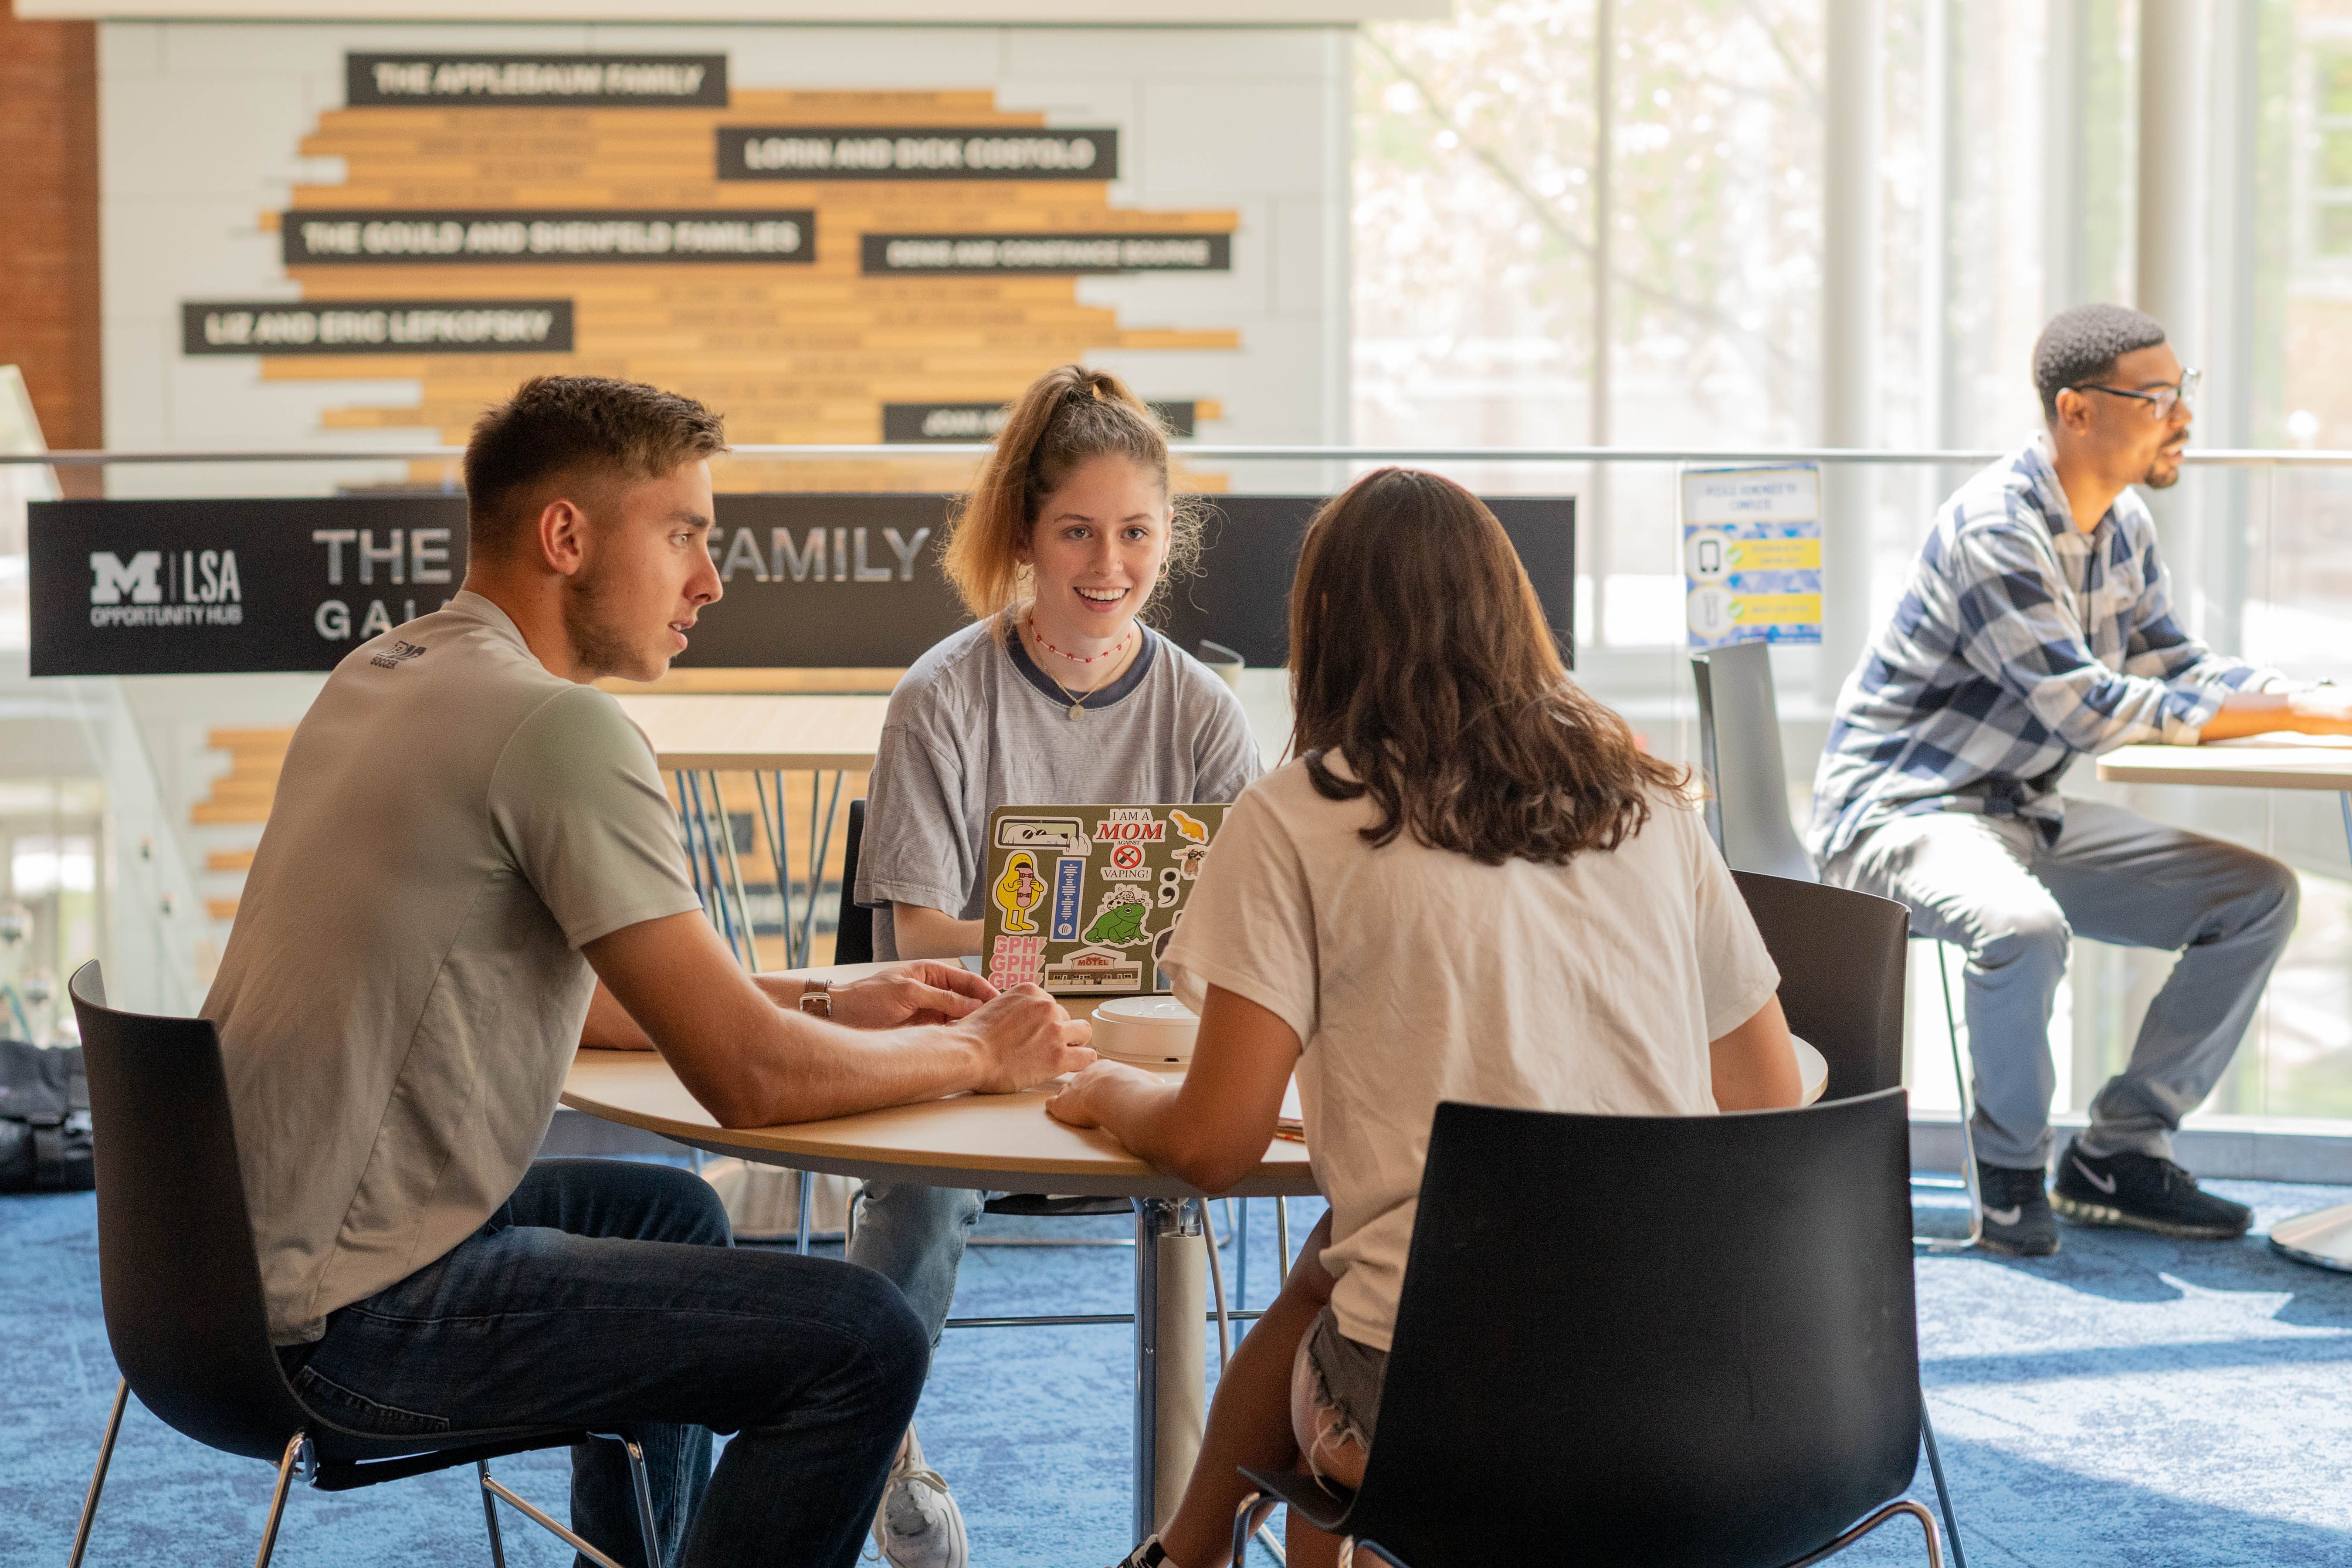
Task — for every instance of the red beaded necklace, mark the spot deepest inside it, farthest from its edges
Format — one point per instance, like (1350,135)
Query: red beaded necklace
(1075,657)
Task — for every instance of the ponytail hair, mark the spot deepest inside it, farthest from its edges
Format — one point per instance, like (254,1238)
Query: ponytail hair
(1069,416)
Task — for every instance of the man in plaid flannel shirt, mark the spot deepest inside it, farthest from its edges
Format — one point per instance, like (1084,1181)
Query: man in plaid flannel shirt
(2037,626)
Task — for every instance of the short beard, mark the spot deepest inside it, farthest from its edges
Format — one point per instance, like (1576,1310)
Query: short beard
(2156,479)
(601,649)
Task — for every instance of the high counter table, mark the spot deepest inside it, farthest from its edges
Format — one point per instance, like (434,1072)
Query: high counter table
(2323,1236)
(696,738)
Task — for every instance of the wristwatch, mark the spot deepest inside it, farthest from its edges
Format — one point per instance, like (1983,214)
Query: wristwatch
(816,998)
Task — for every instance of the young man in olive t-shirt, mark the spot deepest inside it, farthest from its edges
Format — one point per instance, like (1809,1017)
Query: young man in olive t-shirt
(466,838)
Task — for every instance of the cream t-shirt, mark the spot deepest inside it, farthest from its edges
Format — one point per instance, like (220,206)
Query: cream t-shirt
(403,987)
(1413,975)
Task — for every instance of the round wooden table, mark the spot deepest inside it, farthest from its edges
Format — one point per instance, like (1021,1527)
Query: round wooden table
(1007,1142)
(1004,1142)
(2323,1236)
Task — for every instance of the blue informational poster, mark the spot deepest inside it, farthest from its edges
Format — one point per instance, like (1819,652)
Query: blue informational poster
(1752,555)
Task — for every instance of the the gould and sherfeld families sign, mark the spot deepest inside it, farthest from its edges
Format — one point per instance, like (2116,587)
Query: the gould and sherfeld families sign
(153,587)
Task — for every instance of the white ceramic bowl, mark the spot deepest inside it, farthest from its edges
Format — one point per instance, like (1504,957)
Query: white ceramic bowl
(1149,1031)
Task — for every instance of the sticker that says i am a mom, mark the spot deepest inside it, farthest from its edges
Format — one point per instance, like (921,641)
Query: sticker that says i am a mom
(1129,824)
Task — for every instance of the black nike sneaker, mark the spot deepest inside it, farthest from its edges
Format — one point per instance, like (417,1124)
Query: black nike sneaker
(2143,1192)
(2016,1217)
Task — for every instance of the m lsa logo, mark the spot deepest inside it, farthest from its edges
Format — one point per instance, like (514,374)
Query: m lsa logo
(155,588)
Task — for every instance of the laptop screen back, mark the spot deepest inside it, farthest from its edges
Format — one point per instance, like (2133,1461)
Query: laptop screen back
(1084,899)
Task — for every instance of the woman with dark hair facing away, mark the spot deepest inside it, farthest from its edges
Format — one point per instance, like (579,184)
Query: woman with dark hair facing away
(1471,884)
(1056,694)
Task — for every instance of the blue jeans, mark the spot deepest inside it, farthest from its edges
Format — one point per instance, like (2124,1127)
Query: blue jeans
(914,1236)
(606,1294)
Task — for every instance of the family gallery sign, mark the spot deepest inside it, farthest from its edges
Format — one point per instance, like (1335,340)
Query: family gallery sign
(172,587)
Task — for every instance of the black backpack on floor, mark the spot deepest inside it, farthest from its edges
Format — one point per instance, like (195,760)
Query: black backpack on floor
(44,1120)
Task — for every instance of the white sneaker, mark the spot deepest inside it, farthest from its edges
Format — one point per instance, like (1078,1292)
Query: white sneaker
(919,1524)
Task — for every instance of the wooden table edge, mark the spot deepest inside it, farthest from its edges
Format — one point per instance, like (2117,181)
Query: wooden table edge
(2250,776)
(764,762)
(778,1146)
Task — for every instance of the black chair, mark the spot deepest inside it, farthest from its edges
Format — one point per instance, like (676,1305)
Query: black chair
(181,1287)
(1841,956)
(1652,1342)
(853,928)
(1841,961)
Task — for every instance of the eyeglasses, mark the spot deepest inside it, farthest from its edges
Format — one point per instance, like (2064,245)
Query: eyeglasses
(2161,401)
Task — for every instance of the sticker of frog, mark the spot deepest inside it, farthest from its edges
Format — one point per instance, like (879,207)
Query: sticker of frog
(1119,923)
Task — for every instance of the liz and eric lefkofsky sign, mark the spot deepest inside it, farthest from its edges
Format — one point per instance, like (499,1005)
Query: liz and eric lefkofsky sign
(166,587)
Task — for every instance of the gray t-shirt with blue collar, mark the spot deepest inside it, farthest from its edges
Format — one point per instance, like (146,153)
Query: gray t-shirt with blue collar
(974,725)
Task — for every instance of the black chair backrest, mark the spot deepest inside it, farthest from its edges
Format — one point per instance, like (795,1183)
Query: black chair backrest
(1650,1339)
(1843,962)
(852,931)
(176,1266)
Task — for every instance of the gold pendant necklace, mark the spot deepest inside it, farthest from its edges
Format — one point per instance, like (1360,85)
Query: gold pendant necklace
(1078,698)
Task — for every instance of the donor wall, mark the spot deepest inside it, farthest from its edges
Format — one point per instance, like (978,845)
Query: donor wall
(345,235)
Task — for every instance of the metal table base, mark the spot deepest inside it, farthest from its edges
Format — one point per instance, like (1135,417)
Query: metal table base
(2323,1237)
(1171,1354)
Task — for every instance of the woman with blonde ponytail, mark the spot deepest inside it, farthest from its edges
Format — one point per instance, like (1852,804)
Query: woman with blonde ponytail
(1057,693)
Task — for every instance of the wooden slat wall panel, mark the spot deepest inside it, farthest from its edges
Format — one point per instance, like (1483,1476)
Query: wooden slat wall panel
(788,353)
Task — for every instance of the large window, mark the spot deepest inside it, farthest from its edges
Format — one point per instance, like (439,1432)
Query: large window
(2010,186)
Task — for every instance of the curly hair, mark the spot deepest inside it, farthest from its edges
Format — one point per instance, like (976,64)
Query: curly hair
(2081,346)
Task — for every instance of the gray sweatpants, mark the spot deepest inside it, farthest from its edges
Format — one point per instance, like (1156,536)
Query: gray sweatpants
(1991,886)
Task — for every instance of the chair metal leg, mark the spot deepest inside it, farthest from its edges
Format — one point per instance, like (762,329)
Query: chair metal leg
(98,1476)
(1943,1493)
(540,1519)
(1282,1241)
(1246,1527)
(1240,1227)
(1243,1525)
(278,1498)
(636,1453)
(806,1181)
(1967,1135)
(1900,1505)
(490,1515)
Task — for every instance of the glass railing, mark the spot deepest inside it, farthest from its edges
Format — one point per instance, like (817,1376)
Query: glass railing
(2260,544)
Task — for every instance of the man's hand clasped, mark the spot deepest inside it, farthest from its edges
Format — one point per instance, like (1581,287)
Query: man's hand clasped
(1024,1038)
(1019,1037)
(925,993)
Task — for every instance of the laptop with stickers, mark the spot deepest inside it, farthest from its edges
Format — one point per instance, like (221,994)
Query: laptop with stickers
(1084,899)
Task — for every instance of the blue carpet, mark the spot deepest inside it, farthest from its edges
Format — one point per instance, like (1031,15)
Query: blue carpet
(2131,1401)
